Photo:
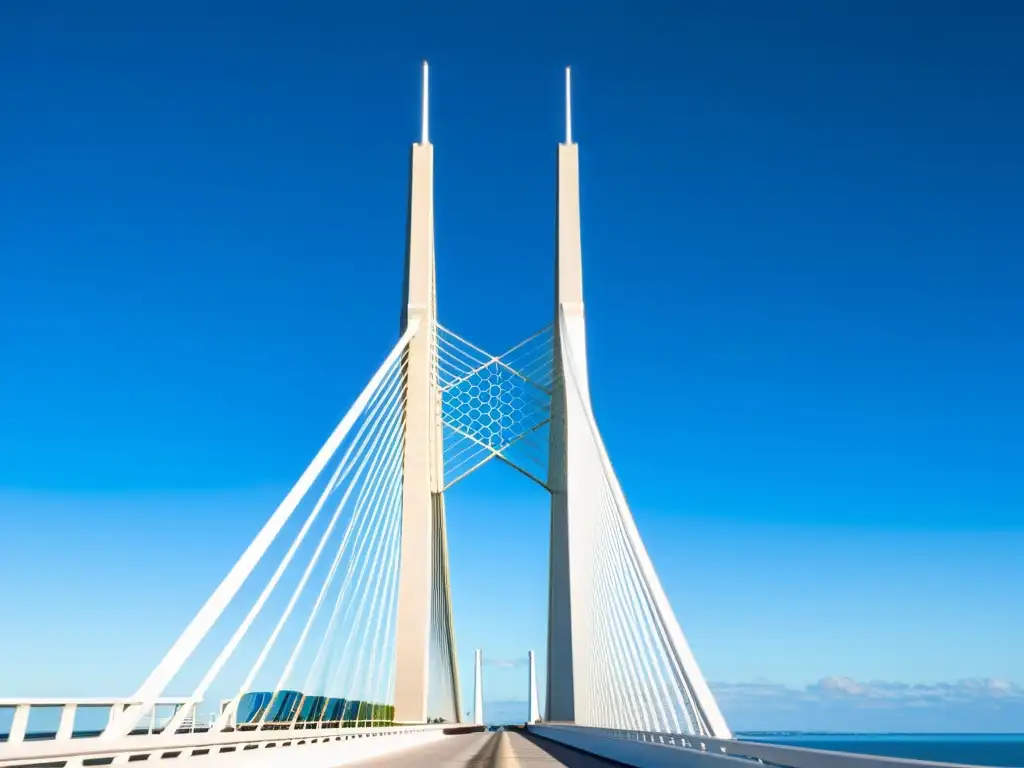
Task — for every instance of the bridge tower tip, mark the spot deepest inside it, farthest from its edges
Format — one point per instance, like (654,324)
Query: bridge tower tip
(425,106)
(568,105)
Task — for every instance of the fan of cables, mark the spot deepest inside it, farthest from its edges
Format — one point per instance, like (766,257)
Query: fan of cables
(301,632)
(636,671)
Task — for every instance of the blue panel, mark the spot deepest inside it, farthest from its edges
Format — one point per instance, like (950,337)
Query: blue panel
(283,707)
(251,706)
(312,709)
(351,709)
(335,709)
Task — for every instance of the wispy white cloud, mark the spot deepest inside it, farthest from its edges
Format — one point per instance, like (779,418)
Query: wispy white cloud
(848,689)
(842,703)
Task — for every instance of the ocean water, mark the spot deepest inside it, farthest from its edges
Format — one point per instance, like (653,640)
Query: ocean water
(971,749)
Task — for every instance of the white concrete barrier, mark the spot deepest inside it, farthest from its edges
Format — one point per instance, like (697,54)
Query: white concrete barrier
(646,749)
(316,748)
(643,754)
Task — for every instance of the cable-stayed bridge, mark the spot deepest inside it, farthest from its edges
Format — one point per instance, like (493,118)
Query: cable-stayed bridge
(332,638)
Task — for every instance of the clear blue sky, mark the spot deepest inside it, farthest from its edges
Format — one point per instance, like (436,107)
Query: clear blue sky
(802,242)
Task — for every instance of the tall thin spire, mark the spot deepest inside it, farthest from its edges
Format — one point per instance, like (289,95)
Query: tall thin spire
(478,688)
(568,106)
(425,118)
(568,604)
(534,704)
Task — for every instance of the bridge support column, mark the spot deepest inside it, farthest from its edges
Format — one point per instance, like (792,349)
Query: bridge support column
(568,601)
(478,688)
(424,597)
(534,705)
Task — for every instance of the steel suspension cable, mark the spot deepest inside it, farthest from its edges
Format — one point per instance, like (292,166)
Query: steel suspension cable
(323,590)
(155,684)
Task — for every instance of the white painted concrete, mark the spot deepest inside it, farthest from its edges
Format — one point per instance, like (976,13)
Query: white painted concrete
(665,750)
(423,577)
(306,747)
(534,704)
(478,688)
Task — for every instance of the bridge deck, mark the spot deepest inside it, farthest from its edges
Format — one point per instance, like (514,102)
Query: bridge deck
(504,749)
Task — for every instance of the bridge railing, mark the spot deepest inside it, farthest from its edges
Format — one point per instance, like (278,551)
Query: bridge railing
(60,716)
(649,749)
(94,751)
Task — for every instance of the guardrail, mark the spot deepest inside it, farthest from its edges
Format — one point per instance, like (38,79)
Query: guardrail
(67,711)
(353,742)
(648,749)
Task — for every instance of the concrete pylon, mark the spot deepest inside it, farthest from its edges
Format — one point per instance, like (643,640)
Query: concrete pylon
(568,598)
(424,563)
(478,688)
(534,704)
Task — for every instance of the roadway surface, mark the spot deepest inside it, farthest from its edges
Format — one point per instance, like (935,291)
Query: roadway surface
(502,749)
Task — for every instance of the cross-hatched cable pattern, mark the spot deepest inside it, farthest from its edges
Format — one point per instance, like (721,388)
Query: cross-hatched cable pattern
(639,672)
(323,621)
(495,406)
